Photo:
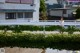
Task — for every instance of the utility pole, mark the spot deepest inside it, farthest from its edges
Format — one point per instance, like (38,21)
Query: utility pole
(62,17)
(62,20)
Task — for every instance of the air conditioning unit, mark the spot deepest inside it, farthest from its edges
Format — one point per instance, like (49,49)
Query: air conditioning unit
(2,50)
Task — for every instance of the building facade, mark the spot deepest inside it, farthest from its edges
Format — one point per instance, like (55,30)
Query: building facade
(15,11)
(51,2)
(60,8)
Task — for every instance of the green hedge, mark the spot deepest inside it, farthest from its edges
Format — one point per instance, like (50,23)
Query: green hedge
(34,28)
(19,28)
(37,40)
(22,27)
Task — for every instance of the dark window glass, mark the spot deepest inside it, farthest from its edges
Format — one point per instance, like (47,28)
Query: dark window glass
(10,15)
(28,14)
(20,15)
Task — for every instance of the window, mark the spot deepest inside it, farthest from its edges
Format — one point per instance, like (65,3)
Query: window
(28,14)
(20,15)
(10,15)
(27,1)
(64,11)
(13,1)
(21,1)
(70,3)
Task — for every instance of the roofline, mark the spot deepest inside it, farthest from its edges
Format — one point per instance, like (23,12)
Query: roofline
(17,10)
(60,9)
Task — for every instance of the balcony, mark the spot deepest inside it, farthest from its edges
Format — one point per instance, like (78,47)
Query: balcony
(2,1)
(16,6)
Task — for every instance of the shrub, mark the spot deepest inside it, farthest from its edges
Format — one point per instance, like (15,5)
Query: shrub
(16,29)
(20,28)
(71,29)
(37,40)
(78,13)
(61,29)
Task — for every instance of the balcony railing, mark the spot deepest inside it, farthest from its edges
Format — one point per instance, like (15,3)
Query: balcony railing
(41,22)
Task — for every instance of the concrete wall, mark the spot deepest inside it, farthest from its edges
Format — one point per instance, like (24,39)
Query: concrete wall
(16,6)
(2,1)
(59,13)
(2,16)
(51,2)
(55,12)
(36,13)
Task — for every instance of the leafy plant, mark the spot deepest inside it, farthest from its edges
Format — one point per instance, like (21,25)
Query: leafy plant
(78,13)
(61,29)
(16,29)
(42,10)
(71,29)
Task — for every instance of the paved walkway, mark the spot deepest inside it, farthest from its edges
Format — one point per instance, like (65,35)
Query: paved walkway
(22,50)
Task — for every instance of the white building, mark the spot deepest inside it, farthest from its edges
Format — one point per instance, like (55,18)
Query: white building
(19,11)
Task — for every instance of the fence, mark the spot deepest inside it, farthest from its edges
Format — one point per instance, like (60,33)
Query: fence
(41,22)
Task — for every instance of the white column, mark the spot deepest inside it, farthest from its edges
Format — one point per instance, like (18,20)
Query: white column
(36,13)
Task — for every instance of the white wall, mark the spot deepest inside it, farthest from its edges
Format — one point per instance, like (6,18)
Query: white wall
(68,12)
(55,12)
(16,6)
(36,13)
(59,13)
(2,16)
(51,2)
(2,1)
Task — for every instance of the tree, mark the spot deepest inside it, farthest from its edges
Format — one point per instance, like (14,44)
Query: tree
(78,13)
(42,6)
(42,10)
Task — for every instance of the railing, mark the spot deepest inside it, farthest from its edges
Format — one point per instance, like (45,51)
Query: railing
(64,22)
(41,22)
(59,20)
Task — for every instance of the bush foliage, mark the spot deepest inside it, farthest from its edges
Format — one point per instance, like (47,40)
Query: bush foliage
(20,28)
(78,13)
(37,40)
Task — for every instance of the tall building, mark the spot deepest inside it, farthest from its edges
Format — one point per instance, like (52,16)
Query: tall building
(19,11)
